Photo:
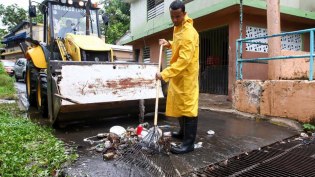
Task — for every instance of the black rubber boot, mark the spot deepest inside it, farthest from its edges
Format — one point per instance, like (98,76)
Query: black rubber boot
(189,131)
(179,134)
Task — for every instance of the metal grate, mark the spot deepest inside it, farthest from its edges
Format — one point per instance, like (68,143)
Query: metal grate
(146,55)
(287,158)
(154,163)
(214,61)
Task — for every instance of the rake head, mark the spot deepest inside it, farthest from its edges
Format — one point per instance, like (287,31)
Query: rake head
(151,140)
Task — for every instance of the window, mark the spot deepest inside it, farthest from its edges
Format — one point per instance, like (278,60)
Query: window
(72,20)
(154,8)
(146,55)
(288,42)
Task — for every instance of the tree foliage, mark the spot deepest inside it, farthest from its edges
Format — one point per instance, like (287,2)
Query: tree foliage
(3,32)
(39,16)
(12,15)
(119,19)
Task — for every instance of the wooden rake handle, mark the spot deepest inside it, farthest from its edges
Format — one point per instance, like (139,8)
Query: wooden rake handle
(158,84)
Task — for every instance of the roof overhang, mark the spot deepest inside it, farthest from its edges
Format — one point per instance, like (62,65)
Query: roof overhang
(15,37)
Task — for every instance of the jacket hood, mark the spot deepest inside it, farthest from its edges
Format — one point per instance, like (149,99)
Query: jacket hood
(188,20)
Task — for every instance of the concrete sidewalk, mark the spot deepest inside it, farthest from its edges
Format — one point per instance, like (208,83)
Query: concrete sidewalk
(220,103)
(214,101)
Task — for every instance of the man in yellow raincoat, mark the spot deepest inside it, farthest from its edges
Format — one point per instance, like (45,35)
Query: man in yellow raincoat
(182,75)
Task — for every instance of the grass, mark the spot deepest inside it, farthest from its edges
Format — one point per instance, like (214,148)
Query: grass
(27,149)
(309,127)
(7,90)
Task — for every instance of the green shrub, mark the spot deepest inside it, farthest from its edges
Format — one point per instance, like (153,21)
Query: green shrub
(7,89)
(27,149)
(6,81)
(2,71)
(309,127)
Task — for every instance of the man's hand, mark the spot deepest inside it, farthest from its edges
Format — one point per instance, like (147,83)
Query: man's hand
(164,42)
(158,76)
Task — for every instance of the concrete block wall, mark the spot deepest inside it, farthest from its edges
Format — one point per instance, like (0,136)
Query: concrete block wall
(293,69)
(247,95)
(293,99)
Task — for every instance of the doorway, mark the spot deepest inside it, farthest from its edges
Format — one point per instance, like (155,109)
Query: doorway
(214,61)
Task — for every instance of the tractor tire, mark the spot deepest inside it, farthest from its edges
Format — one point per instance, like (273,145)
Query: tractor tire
(41,94)
(16,79)
(30,82)
(24,77)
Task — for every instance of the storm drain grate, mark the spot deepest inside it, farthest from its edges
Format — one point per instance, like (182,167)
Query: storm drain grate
(150,163)
(286,158)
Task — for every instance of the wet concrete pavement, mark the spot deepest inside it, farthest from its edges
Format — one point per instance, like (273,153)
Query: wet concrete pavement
(233,135)
(20,86)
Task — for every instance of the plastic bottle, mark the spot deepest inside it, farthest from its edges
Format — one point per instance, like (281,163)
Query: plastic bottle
(139,129)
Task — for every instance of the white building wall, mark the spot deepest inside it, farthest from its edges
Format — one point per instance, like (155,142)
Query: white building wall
(138,14)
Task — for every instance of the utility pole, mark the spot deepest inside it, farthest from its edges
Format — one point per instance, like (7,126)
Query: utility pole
(88,4)
(274,44)
(30,19)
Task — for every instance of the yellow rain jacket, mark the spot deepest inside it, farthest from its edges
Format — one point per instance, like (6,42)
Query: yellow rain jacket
(182,74)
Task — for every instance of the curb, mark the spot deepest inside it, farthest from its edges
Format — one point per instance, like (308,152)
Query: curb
(4,101)
(22,102)
(295,125)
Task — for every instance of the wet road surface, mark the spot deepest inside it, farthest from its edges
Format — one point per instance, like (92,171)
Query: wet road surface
(233,135)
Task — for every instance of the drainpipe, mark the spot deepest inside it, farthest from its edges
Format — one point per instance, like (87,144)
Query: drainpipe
(274,44)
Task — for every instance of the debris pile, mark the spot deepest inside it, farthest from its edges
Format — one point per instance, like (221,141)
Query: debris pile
(306,138)
(113,144)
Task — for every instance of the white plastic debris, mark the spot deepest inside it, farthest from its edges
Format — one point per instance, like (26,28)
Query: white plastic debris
(298,139)
(304,135)
(198,145)
(210,132)
(167,134)
(87,140)
(173,144)
(153,135)
(99,149)
(144,133)
(118,130)
(107,144)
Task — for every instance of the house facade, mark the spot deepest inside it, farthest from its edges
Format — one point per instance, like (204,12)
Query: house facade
(219,25)
(122,53)
(17,35)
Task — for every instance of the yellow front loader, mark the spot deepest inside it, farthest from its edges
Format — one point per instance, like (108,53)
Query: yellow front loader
(71,75)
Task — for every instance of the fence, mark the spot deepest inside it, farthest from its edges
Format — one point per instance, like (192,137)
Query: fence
(239,52)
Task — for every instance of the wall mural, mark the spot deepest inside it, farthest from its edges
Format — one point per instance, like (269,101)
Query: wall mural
(289,42)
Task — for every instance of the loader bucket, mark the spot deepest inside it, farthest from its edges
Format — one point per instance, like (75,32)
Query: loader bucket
(92,90)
